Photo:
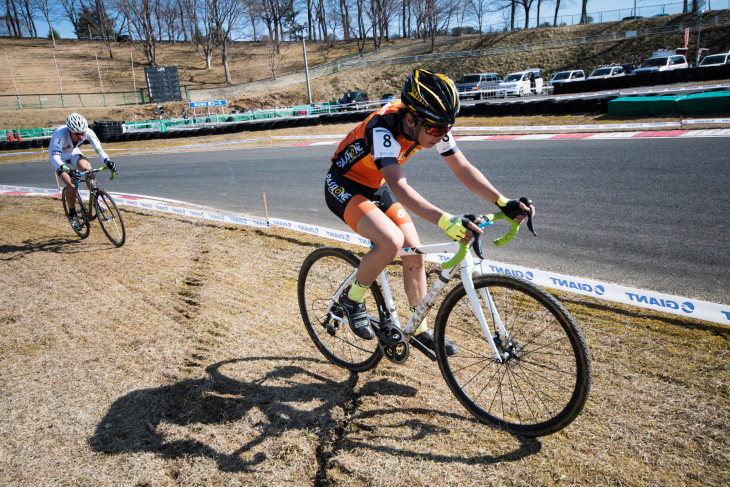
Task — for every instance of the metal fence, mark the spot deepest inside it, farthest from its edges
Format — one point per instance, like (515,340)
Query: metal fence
(612,15)
(71,100)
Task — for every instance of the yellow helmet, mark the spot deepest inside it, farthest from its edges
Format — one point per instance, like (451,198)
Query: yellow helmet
(431,97)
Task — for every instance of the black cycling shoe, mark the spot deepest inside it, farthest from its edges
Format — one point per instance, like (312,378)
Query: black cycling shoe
(426,338)
(357,316)
(75,222)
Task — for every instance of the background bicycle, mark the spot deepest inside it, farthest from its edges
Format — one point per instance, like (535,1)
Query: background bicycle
(101,206)
(522,363)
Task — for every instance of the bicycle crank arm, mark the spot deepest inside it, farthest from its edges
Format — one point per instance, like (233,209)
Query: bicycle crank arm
(392,343)
(423,349)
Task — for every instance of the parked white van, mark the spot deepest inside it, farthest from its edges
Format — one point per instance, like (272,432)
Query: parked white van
(715,60)
(529,81)
(662,63)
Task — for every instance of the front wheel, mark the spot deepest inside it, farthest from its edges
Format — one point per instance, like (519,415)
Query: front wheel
(541,381)
(82,232)
(322,273)
(109,218)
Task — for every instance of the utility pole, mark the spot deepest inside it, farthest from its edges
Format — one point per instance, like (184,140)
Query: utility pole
(306,73)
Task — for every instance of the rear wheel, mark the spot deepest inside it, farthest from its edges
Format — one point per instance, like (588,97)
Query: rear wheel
(322,273)
(541,383)
(83,231)
(109,218)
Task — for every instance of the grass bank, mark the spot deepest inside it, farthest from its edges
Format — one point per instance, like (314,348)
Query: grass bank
(180,359)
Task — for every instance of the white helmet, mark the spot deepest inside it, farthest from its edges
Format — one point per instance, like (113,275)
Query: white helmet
(76,123)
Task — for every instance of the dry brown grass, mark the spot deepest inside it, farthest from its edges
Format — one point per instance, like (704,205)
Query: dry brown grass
(180,359)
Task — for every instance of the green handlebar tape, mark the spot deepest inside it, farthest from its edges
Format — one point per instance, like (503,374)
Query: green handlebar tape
(104,169)
(512,232)
(464,248)
(454,261)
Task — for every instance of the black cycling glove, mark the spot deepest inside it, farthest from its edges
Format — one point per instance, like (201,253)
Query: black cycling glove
(74,174)
(111,165)
(511,208)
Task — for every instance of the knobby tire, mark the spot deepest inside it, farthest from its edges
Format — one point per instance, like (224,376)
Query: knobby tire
(109,218)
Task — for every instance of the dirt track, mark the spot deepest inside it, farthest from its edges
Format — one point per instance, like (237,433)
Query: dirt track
(180,359)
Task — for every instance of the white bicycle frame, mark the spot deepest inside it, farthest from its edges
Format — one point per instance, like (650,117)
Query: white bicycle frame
(468,267)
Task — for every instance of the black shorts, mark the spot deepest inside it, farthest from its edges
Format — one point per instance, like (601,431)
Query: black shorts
(350,200)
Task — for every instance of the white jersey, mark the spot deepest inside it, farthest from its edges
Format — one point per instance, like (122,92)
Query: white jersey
(62,151)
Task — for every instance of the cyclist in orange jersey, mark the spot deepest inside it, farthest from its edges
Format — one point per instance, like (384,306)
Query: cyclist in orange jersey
(367,188)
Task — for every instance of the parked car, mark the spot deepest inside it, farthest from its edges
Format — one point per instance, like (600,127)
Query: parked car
(386,98)
(477,85)
(521,83)
(715,60)
(664,63)
(353,100)
(607,71)
(568,76)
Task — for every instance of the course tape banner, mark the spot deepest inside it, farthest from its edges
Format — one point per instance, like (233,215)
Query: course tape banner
(692,308)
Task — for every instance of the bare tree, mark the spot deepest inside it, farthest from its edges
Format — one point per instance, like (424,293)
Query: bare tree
(275,54)
(273,13)
(557,7)
(12,19)
(345,18)
(28,18)
(584,12)
(526,5)
(169,26)
(362,30)
(202,36)
(143,25)
(433,17)
(105,26)
(225,15)
(19,19)
(48,10)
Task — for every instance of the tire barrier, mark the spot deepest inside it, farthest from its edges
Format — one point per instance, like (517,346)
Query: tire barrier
(107,129)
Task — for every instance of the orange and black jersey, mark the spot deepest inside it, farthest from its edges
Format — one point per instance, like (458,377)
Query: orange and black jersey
(379,142)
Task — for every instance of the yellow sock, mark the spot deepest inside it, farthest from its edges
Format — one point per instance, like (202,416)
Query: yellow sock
(423,326)
(357,292)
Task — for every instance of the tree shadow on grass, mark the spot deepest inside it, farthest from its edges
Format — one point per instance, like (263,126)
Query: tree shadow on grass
(135,423)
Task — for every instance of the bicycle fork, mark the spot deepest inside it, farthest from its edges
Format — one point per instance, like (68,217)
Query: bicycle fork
(467,271)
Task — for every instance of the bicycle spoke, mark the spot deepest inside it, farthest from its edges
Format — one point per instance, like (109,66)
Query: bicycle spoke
(541,381)
(322,274)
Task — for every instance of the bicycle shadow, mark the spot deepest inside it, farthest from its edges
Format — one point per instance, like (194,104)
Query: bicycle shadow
(130,425)
(135,423)
(56,245)
(527,447)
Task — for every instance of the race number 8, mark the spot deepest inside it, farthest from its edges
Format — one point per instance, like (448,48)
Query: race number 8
(383,144)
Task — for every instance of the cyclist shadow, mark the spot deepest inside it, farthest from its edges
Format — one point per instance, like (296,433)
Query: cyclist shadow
(138,421)
(56,245)
(131,425)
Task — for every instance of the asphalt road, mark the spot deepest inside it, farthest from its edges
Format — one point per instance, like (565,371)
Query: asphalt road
(649,213)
